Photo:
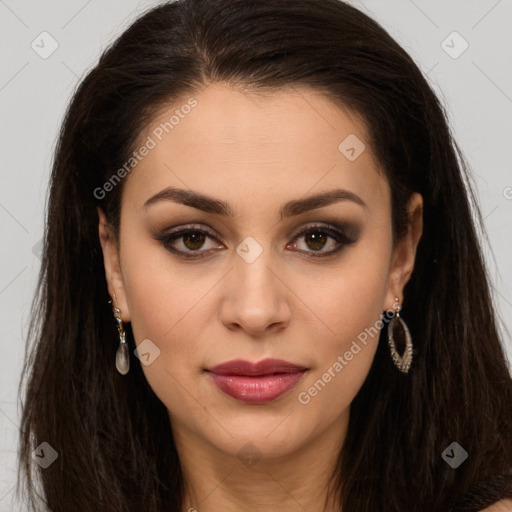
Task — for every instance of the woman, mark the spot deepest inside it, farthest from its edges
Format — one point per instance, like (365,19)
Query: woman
(261,286)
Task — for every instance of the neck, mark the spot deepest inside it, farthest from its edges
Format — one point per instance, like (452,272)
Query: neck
(248,480)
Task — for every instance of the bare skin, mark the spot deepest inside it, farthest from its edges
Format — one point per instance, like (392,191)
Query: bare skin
(257,152)
(501,506)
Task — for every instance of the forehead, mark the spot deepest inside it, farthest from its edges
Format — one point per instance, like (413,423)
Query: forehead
(230,143)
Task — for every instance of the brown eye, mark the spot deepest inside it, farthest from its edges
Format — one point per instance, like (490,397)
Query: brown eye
(188,242)
(316,240)
(194,240)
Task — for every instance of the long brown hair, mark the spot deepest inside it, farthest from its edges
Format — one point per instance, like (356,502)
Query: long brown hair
(112,434)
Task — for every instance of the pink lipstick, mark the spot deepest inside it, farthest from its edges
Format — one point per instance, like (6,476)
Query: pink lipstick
(256,383)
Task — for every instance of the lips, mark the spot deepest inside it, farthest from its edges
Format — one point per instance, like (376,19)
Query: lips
(265,367)
(256,383)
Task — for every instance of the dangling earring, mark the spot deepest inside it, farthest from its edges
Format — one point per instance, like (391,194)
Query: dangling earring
(402,363)
(123,353)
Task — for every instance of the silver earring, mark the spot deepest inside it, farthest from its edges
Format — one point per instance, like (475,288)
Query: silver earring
(123,353)
(403,363)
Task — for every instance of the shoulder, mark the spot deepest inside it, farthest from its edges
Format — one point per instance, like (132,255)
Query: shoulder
(500,506)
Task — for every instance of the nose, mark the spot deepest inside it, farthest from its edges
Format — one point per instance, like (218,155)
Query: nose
(256,298)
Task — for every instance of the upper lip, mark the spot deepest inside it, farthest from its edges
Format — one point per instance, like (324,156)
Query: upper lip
(264,367)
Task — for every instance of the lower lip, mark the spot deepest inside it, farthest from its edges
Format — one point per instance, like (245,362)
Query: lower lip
(256,390)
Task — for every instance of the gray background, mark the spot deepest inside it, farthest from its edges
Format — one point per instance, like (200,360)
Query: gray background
(475,87)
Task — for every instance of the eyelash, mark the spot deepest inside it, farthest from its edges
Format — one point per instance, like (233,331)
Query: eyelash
(336,233)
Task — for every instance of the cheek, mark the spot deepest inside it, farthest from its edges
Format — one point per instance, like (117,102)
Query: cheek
(158,290)
(349,305)
(161,299)
(344,359)
(165,305)
(166,308)
(349,298)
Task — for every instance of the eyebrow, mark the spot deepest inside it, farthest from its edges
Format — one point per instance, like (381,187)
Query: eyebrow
(216,206)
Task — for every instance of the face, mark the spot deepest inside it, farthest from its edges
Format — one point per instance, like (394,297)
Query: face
(264,272)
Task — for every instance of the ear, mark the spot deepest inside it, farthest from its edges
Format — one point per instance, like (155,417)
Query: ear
(404,254)
(112,265)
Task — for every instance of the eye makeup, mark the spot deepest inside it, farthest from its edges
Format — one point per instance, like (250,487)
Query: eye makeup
(187,241)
